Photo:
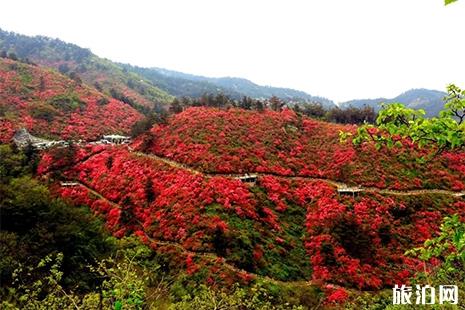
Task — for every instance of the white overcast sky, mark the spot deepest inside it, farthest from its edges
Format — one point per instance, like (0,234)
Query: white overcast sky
(340,49)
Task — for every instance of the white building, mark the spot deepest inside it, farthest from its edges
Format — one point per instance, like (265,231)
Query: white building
(115,139)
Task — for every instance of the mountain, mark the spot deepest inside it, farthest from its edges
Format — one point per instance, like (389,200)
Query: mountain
(75,61)
(140,87)
(235,87)
(429,100)
(51,105)
(181,85)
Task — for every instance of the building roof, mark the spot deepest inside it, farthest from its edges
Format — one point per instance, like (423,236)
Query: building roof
(115,137)
(22,137)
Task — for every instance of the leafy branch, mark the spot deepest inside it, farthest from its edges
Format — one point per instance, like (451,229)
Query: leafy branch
(397,125)
(447,2)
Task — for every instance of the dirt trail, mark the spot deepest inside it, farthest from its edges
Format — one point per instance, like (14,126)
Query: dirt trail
(338,185)
(168,162)
(224,263)
(209,256)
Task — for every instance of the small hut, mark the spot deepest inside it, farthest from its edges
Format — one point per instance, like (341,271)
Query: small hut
(248,178)
(116,139)
(349,190)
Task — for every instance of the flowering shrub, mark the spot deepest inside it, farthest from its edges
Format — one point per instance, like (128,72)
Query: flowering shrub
(7,130)
(283,143)
(286,228)
(335,295)
(81,196)
(361,242)
(57,159)
(167,203)
(296,226)
(52,106)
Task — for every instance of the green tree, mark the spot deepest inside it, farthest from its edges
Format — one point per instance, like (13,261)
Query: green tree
(276,104)
(395,123)
(11,163)
(176,106)
(12,56)
(124,284)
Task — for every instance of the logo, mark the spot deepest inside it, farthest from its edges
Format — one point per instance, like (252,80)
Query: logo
(425,295)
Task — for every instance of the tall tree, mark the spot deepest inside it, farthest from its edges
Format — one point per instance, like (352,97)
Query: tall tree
(276,104)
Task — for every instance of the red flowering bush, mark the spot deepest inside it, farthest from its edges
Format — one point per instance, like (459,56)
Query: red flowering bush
(335,295)
(58,158)
(52,106)
(81,196)
(284,228)
(361,241)
(283,143)
(287,228)
(169,204)
(7,130)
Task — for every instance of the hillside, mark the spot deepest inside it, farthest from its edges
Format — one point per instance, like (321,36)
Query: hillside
(182,85)
(71,59)
(282,143)
(291,224)
(429,100)
(50,105)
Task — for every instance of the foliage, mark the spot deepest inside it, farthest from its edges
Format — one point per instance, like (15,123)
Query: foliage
(28,293)
(351,115)
(35,224)
(444,255)
(127,283)
(12,163)
(124,284)
(397,125)
(255,297)
(348,115)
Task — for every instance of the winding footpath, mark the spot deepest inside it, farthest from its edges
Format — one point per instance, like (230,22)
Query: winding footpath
(207,255)
(215,258)
(339,185)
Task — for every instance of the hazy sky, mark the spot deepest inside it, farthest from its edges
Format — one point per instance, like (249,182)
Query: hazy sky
(340,49)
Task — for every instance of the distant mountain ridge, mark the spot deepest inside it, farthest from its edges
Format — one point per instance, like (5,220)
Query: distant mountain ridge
(136,85)
(190,85)
(427,99)
(145,87)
